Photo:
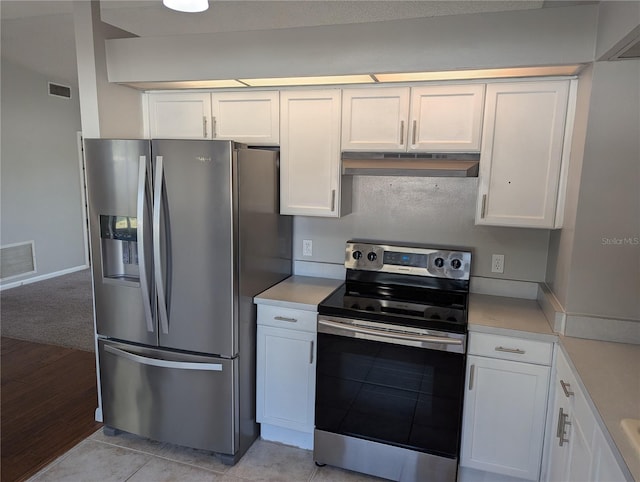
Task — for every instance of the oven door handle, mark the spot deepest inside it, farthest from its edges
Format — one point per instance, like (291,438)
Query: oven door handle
(390,334)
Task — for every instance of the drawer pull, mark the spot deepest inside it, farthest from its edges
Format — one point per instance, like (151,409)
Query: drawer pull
(284,318)
(566,388)
(517,351)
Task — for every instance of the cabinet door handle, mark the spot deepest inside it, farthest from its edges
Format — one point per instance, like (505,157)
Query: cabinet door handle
(484,205)
(284,318)
(472,371)
(311,353)
(517,351)
(566,388)
(214,126)
(401,132)
(333,200)
(563,421)
(204,127)
(415,128)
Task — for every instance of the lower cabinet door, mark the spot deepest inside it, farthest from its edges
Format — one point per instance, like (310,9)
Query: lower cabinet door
(504,416)
(286,378)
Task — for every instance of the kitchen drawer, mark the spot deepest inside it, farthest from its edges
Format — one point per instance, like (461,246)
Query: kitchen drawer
(279,317)
(510,348)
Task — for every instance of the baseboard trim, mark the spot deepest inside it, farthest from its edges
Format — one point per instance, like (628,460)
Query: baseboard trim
(35,279)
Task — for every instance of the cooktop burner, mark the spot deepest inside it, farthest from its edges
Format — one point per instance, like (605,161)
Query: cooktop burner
(410,286)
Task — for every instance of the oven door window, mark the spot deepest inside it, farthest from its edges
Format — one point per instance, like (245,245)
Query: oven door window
(405,396)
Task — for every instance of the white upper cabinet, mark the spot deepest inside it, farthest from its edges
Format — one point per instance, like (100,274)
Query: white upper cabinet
(310,177)
(439,118)
(524,146)
(375,119)
(181,115)
(248,117)
(446,118)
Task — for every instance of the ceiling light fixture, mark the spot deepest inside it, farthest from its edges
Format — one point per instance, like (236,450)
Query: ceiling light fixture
(190,6)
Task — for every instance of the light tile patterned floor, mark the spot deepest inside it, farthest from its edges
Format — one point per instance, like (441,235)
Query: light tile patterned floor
(126,457)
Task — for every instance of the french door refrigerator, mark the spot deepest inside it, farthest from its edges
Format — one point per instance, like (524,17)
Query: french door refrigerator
(183,234)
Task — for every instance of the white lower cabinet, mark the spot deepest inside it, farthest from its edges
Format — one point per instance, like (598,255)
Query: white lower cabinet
(505,407)
(286,375)
(578,449)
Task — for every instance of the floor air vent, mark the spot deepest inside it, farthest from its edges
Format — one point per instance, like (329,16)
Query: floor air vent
(58,90)
(17,259)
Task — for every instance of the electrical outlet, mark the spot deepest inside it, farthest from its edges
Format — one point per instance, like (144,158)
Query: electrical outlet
(497,263)
(307,247)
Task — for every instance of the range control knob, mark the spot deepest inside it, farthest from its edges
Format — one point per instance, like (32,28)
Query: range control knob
(372,256)
(356,254)
(456,263)
(439,262)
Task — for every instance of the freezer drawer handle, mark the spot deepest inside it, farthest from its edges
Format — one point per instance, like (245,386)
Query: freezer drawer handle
(142,260)
(212,367)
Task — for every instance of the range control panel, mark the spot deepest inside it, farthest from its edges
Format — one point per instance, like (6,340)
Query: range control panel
(413,260)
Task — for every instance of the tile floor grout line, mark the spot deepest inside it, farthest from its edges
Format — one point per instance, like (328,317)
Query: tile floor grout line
(55,462)
(217,472)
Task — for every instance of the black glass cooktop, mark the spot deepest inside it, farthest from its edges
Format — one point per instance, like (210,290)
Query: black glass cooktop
(410,306)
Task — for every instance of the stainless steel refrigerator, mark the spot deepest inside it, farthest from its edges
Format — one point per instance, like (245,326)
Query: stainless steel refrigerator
(183,234)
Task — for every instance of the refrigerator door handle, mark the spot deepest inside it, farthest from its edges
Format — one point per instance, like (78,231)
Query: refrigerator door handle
(212,367)
(157,257)
(142,260)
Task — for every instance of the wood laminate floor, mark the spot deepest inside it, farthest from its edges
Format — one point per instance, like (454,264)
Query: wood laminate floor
(47,404)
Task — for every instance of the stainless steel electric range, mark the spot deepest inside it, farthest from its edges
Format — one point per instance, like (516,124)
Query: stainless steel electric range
(391,363)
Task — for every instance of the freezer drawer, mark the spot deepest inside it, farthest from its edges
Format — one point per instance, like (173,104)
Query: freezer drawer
(172,397)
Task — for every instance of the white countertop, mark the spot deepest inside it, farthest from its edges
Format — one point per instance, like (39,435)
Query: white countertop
(500,315)
(298,292)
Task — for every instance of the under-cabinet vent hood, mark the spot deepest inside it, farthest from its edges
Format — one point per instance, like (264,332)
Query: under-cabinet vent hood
(415,165)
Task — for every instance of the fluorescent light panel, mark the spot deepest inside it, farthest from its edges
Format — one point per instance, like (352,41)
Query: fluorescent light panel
(544,71)
(187,84)
(480,74)
(321,80)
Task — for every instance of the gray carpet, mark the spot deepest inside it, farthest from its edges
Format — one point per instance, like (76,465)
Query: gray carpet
(57,311)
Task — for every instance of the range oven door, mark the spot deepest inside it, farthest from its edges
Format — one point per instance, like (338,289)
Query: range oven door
(399,389)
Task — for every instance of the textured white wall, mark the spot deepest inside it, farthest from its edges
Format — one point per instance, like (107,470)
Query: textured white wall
(40,175)
(604,277)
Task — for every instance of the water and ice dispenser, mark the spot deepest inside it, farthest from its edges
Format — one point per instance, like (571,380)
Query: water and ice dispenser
(119,248)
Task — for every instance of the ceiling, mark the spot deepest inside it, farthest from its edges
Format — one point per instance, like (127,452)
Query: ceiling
(39,35)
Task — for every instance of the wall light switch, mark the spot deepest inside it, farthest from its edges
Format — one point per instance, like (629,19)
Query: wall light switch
(307,247)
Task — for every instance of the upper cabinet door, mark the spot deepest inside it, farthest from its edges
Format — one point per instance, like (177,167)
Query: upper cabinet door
(249,117)
(180,115)
(446,118)
(522,153)
(375,119)
(310,178)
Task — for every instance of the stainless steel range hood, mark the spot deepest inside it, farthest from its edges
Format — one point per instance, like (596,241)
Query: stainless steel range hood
(414,165)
